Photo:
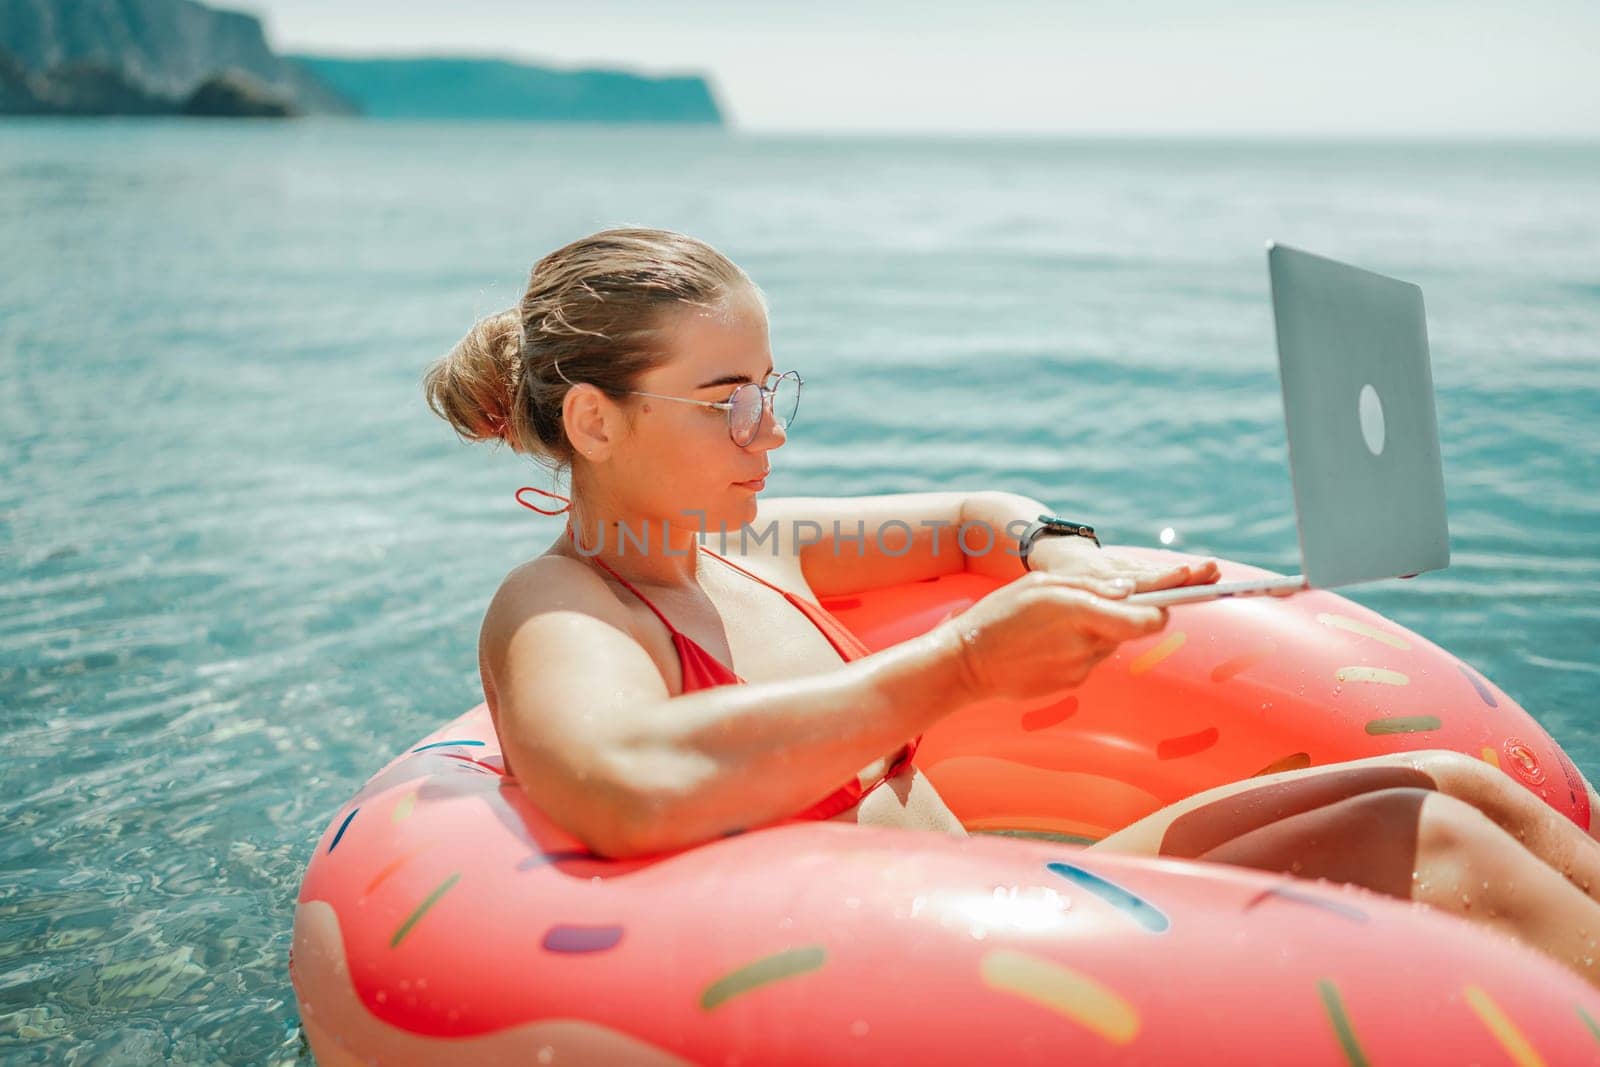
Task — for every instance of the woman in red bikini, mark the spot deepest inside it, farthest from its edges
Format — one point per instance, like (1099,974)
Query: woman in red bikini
(651,694)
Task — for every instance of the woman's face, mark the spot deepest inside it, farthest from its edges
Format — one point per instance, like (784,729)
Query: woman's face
(679,457)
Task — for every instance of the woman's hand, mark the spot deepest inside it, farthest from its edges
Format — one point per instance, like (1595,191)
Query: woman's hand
(1080,563)
(1041,634)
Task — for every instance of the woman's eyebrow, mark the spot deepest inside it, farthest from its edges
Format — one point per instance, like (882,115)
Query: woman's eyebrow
(732,379)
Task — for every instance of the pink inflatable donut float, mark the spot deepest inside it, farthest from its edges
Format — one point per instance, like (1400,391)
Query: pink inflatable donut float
(443,918)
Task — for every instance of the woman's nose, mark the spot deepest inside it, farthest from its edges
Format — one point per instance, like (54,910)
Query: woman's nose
(770,434)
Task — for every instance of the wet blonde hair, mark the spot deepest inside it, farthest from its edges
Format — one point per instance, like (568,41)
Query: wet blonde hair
(597,306)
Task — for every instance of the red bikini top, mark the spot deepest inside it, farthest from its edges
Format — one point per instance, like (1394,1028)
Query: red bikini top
(702,670)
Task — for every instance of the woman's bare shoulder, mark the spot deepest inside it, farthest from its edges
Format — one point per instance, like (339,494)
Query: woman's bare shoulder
(549,583)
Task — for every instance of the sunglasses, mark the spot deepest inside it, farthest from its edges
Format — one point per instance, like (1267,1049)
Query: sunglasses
(744,405)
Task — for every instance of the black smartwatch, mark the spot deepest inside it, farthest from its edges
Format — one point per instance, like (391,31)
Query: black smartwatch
(1051,526)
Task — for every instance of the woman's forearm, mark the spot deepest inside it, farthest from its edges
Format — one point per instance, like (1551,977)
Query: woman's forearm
(849,544)
(739,756)
(1001,517)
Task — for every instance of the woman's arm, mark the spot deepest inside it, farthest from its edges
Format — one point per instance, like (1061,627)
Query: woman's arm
(847,545)
(741,756)
(850,544)
(602,747)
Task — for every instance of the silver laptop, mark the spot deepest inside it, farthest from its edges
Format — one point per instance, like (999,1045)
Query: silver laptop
(1363,439)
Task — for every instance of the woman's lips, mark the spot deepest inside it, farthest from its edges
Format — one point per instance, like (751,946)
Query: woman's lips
(756,486)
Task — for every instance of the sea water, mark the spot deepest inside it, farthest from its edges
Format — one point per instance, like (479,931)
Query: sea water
(241,564)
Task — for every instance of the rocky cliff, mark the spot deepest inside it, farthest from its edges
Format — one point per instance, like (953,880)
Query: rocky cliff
(76,55)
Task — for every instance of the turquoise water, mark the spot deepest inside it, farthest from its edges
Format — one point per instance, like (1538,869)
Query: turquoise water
(241,564)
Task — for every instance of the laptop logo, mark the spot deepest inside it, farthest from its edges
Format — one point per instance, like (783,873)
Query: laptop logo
(1371,412)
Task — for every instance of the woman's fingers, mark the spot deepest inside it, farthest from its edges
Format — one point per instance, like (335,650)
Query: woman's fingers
(1110,587)
(1047,631)
(1115,578)
(1166,578)
(1202,573)
(1114,588)
(1111,620)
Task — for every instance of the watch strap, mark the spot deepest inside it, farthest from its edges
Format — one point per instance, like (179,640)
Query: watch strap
(1051,526)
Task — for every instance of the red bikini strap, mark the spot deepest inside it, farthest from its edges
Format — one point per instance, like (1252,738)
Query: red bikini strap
(541,492)
(741,570)
(630,586)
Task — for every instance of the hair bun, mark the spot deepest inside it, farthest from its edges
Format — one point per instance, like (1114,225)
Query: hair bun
(474,386)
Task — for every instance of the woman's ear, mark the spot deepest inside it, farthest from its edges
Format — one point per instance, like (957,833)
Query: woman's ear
(591,420)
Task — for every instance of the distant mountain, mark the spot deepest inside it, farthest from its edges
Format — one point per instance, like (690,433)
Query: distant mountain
(143,57)
(458,88)
(152,57)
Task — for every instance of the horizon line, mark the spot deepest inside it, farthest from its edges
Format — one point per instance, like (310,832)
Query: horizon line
(1562,138)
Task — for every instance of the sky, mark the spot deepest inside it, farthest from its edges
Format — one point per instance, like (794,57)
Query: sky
(1234,67)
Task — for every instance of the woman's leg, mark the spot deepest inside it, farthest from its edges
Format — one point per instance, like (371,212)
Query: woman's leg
(1544,832)
(1420,844)
(1193,826)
